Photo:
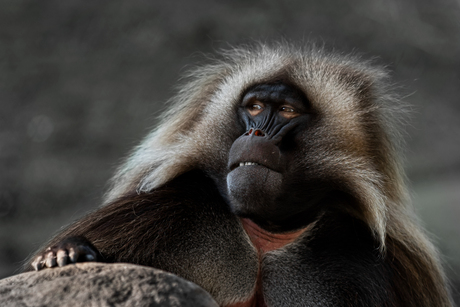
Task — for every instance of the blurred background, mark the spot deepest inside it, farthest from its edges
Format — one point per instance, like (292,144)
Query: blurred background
(81,82)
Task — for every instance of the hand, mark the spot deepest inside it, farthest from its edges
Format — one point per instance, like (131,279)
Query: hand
(69,250)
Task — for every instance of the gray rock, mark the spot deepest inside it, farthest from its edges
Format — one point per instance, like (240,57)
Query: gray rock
(99,284)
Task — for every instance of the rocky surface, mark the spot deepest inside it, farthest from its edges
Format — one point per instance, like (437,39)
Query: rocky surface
(98,284)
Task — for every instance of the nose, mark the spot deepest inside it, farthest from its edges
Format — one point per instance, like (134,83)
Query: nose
(255,132)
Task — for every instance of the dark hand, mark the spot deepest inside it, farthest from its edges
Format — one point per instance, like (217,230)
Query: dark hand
(69,250)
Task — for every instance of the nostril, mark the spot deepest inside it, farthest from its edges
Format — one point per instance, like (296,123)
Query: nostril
(259,133)
(249,132)
(255,132)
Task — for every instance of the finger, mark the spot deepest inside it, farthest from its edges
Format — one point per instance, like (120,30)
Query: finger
(90,257)
(90,254)
(72,255)
(62,257)
(38,263)
(50,260)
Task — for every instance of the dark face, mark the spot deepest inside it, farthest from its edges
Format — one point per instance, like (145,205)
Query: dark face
(265,181)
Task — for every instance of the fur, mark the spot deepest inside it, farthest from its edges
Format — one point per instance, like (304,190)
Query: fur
(355,141)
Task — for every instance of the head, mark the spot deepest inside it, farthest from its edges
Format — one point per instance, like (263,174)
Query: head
(285,134)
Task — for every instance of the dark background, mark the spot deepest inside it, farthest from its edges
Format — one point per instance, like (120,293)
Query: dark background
(81,82)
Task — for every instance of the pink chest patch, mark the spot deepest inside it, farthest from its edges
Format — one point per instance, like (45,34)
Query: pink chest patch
(264,241)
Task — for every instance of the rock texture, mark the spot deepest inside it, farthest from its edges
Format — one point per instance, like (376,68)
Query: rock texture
(98,284)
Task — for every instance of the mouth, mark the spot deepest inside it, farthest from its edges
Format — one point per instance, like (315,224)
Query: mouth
(241,164)
(248,163)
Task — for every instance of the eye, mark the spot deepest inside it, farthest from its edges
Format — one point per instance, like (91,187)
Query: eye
(255,108)
(287,109)
(288,112)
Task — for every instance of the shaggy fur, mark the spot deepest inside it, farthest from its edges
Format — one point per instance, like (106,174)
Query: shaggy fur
(353,141)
